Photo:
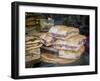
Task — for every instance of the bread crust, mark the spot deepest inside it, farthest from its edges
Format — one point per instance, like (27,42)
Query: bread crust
(63,30)
(49,58)
(71,54)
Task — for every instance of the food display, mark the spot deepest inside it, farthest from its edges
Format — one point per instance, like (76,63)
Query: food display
(56,40)
(32,49)
(66,40)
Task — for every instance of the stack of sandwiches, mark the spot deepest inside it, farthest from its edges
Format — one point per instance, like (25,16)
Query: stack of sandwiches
(67,40)
(32,48)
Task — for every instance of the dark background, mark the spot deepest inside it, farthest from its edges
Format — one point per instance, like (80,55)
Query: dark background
(78,21)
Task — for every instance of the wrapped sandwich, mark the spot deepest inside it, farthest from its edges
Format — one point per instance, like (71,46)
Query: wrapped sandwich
(67,41)
(47,39)
(71,48)
(70,54)
(58,32)
(72,43)
(63,32)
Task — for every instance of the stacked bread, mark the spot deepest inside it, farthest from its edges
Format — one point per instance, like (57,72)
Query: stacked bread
(67,40)
(32,48)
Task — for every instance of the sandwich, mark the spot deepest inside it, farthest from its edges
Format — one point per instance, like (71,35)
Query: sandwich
(50,58)
(70,54)
(72,43)
(58,32)
(62,32)
(47,39)
(32,42)
(32,49)
(66,41)
(32,45)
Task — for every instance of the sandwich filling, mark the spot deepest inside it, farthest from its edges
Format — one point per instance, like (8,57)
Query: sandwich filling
(73,43)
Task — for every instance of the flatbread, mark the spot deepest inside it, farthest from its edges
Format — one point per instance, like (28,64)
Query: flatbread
(50,58)
(71,54)
(34,47)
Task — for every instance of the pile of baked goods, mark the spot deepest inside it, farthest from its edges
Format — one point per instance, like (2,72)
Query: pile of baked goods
(32,48)
(67,40)
(61,44)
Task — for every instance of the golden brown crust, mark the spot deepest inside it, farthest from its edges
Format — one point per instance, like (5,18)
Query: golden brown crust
(76,39)
(67,29)
(49,58)
(33,47)
(73,41)
(32,42)
(62,29)
(46,39)
(81,50)
(33,51)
